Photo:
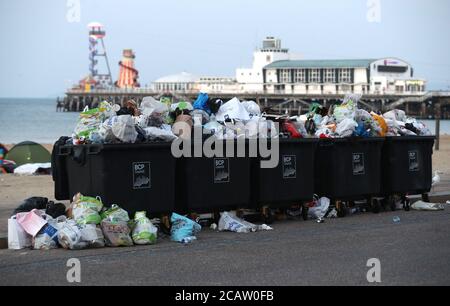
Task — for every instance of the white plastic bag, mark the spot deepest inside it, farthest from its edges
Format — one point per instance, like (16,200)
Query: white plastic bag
(396,115)
(124,129)
(150,106)
(346,127)
(46,239)
(232,109)
(320,208)
(92,235)
(252,108)
(230,222)
(17,237)
(163,133)
(144,231)
(69,236)
(420,205)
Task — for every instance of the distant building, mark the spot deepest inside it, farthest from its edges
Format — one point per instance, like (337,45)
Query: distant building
(275,71)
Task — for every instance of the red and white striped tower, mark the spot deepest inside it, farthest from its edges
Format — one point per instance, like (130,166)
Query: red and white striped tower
(128,75)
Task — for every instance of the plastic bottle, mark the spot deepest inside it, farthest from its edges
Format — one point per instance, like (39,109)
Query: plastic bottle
(188,240)
(396,219)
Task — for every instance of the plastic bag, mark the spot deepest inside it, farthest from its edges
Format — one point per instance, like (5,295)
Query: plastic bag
(319,209)
(163,133)
(150,106)
(32,222)
(88,121)
(346,127)
(183,228)
(115,214)
(144,231)
(252,108)
(116,233)
(30,204)
(230,222)
(232,109)
(202,103)
(183,126)
(396,115)
(55,210)
(420,205)
(85,210)
(124,129)
(17,237)
(379,120)
(46,239)
(105,130)
(181,106)
(69,236)
(347,109)
(92,235)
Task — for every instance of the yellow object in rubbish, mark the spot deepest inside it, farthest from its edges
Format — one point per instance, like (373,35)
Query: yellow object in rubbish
(381,122)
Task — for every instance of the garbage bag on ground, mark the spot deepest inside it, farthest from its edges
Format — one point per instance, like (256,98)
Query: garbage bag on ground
(116,233)
(46,239)
(17,237)
(32,222)
(202,103)
(85,210)
(183,228)
(144,231)
(30,204)
(230,222)
(123,129)
(115,214)
(252,108)
(55,209)
(32,169)
(69,236)
(232,109)
(420,205)
(92,235)
(319,208)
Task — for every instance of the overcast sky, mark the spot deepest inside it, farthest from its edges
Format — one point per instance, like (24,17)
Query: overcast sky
(43,51)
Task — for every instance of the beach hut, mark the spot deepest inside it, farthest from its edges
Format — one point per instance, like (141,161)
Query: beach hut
(28,152)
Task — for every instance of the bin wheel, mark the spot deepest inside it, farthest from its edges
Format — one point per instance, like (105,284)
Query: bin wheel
(392,204)
(268,216)
(305,210)
(407,204)
(341,209)
(376,206)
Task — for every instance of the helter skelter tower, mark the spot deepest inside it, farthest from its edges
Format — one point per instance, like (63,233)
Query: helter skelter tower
(96,35)
(128,75)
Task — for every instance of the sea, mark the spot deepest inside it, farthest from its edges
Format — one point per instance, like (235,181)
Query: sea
(37,120)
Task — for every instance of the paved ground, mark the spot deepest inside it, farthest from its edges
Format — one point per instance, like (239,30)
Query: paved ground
(415,251)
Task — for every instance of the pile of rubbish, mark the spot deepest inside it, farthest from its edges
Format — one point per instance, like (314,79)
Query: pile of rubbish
(43,225)
(161,121)
(347,120)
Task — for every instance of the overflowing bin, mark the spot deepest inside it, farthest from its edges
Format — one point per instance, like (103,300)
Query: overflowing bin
(292,180)
(348,168)
(138,177)
(215,183)
(406,167)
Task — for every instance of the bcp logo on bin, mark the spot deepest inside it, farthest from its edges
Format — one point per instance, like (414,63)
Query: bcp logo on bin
(289,167)
(358,164)
(141,175)
(221,170)
(413,161)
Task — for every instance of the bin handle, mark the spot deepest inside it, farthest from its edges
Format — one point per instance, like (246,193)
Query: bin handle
(64,151)
(93,150)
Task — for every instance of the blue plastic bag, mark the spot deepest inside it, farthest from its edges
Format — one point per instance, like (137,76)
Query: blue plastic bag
(183,228)
(202,103)
(361,131)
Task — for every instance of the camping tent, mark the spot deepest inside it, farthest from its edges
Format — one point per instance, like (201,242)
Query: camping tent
(28,152)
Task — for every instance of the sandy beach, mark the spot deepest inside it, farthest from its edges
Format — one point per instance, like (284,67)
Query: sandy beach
(14,188)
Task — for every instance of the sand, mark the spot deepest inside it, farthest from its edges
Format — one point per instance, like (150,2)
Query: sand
(14,189)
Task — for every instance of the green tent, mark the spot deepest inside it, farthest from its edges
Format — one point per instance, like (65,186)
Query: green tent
(28,152)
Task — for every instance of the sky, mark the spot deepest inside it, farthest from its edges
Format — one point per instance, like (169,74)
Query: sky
(44,44)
